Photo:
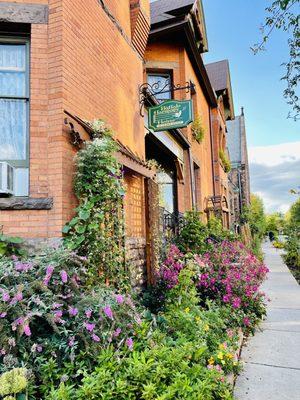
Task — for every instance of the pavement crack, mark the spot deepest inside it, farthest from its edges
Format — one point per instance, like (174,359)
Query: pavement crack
(271,365)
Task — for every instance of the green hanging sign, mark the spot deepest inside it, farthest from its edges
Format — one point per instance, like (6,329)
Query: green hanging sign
(171,114)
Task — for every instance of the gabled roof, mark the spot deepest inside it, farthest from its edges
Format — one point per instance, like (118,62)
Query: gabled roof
(163,10)
(219,74)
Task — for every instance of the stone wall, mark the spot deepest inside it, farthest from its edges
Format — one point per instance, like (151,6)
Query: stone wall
(136,261)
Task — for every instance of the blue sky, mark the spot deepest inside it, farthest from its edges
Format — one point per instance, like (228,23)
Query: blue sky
(232,27)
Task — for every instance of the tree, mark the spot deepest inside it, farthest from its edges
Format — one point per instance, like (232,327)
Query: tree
(274,224)
(284,15)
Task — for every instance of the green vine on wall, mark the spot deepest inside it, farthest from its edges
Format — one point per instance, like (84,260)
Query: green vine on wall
(97,230)
(225,161)
(198,129)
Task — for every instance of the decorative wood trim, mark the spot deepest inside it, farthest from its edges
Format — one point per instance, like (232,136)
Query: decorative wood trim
(24,13)
(26,203)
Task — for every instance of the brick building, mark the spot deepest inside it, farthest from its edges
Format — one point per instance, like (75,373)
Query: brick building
(64,62)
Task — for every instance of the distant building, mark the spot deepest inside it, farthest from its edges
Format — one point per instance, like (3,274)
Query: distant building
(239,177)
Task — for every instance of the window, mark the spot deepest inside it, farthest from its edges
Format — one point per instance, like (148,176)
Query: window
(14,107)
(161,83)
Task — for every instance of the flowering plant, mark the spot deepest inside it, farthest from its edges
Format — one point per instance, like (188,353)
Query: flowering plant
(47,312)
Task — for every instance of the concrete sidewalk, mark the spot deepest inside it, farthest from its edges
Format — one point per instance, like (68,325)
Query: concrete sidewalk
(272,357)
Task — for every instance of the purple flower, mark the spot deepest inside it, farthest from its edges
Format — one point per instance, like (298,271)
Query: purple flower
(108,312)
(2,352)
(71,342)
(56,305)
(73,311)
(89,327)
(117,332)
(88,313)
(19,296)
(5,297)
(64,276)
(27,330)
(3,315)
(120,299)
(95,338)
(39,348)
(49,270)
(129,343)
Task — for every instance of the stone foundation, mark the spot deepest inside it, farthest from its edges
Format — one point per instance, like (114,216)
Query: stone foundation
(136,261)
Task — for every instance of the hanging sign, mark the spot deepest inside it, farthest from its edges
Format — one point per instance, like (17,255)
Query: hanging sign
(171,114)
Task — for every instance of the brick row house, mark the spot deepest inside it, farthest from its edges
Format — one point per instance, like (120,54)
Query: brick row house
(64,62)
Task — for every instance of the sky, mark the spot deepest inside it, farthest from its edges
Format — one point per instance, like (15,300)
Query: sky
(233,26)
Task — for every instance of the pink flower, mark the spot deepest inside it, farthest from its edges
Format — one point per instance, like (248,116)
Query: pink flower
(19,296)
(71,342)
(5,297)
(49,270)
(89,327)
(117,332)
(236,303)
(108,312)
(56,305)
(73,311)
(129,343)
(27,330)
(88,313)
(246,321)
(64,276)
(120,299)
(3,315)
(95,338)
(2,352)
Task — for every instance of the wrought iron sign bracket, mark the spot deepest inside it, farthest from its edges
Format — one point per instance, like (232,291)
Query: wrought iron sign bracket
(150,92)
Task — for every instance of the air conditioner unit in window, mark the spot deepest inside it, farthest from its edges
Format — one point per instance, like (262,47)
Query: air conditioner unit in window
(6,179)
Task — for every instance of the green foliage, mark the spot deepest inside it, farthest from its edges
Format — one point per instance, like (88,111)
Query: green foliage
(274,224)
(193,234)
(11,245)
(13,382)
(198,129)
(255,216)
(97,230)
(225,161)
(292,242)
(284,15)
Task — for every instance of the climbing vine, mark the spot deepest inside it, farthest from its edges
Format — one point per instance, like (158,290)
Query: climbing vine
(97,230)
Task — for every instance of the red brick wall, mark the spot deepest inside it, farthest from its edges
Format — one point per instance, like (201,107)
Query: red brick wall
(85,63)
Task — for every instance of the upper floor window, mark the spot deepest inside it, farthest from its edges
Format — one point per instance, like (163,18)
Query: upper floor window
(14,101)
(161,85)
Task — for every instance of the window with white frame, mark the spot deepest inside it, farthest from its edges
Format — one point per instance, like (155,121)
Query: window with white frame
(14,109)
(160,83)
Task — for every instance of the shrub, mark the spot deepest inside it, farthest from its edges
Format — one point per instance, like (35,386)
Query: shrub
(11,245)
(193,234)
(198,129)
(51,321)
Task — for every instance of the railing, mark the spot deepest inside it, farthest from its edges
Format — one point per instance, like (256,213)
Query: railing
(170,223)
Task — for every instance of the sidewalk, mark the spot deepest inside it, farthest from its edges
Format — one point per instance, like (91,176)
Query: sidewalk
(272,357)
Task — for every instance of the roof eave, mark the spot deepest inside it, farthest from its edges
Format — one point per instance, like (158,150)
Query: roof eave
(183,24)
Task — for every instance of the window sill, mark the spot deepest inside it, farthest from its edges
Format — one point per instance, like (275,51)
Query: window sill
(26,203)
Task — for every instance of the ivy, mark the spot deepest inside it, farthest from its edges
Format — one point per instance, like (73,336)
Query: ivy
(97,230)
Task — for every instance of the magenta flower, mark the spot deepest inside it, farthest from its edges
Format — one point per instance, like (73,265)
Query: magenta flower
(246,321)
(19,296)
(64,276)
(27,330)
(89,327)
(129,343)
(236,303)
(108,312)
(120,299)
(73,311)
(49,270)
(117,332)
(5,297)
(95,338)
(71,342)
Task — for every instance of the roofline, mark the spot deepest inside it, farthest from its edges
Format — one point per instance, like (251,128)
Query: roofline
(183,24)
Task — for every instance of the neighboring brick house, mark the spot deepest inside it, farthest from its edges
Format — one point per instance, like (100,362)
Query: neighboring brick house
(239,176)
(219,75)
(177,41)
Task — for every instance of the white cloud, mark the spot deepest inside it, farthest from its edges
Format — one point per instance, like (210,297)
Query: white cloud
(275,154)
(274,171)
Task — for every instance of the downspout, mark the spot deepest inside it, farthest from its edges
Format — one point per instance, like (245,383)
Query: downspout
(212,152)
(194,202)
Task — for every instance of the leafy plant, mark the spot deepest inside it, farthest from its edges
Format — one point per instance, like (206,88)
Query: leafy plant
(97,230)
(193,234)
(225,161)
(11,245)
(198,129)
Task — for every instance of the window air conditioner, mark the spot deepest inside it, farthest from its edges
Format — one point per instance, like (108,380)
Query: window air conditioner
(6,179)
